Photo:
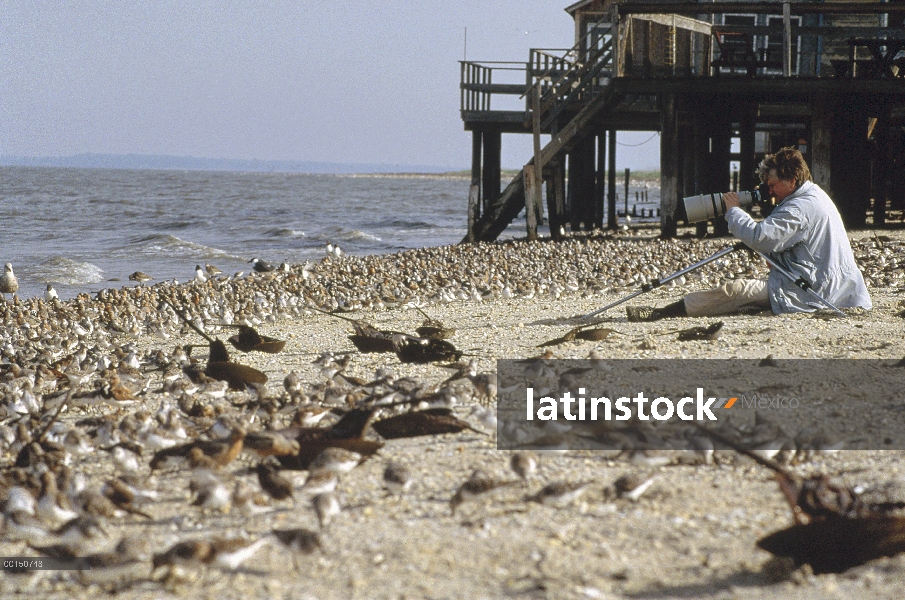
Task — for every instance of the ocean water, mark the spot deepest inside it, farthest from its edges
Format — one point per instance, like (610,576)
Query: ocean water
(83,230)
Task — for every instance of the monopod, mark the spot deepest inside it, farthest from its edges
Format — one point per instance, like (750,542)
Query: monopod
(655,283)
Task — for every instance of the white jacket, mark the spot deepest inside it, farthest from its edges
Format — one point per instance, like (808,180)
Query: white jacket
(805,234)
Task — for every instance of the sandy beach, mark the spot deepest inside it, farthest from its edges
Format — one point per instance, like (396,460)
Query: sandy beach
(691,534)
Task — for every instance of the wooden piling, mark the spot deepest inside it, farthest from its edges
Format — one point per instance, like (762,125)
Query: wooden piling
(600,183)
(611,177)
(530,207)
(669,165)
(493,140)
(627,177)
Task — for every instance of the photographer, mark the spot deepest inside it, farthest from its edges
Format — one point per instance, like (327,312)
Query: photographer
(804,234)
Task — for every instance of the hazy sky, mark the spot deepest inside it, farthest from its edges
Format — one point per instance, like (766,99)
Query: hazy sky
(342,81)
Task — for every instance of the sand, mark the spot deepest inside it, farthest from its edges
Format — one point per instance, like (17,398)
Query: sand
(691,535)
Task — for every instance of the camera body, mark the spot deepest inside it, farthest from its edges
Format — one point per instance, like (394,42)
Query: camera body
(709,206)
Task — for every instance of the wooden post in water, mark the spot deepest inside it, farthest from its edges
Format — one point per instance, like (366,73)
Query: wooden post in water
(627,176)
(611,176)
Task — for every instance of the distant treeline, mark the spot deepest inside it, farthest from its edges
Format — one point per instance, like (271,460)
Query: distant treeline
(652,176)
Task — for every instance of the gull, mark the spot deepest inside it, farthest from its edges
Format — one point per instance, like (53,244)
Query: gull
(8,282)
(51,294)
(200,277)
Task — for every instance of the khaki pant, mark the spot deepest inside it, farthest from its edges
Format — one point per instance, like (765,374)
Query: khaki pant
(728,298)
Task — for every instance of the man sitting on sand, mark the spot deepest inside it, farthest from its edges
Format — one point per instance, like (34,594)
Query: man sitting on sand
(804,234)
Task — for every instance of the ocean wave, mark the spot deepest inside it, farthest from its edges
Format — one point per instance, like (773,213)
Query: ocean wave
(59,269)
(283,232)
(404,224)
(170,245)
(340,234)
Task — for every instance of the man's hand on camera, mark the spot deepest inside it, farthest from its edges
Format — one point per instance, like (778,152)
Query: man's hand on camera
(730,199)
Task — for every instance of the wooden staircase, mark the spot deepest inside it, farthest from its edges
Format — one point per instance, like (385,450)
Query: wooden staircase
(577,82)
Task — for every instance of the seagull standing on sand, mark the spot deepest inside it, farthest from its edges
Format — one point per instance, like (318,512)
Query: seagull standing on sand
(8,282)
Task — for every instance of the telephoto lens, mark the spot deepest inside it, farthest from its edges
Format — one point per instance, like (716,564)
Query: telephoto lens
(709,206)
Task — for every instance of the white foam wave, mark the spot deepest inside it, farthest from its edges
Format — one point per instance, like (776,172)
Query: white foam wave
(170,245)
(59,269)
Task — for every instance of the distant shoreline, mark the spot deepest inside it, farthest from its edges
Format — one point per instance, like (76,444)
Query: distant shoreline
(185,163)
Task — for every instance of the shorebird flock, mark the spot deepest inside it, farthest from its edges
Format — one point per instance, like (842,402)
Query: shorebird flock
(97,394)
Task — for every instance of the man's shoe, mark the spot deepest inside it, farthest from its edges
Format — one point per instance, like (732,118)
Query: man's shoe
(641,314)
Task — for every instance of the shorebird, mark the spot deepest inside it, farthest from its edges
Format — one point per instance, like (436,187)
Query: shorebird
(50,294)
(326,506)
(140,277)
(276,485)
(8,282)
(321,482)
(338,460)
(632,486)
(300,541)
(477,485)
(212,270)
(559,493)
(225,554)
(397,478)
(524,464)
(261,266)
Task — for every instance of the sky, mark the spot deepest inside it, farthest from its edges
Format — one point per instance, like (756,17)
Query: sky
(344,81)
